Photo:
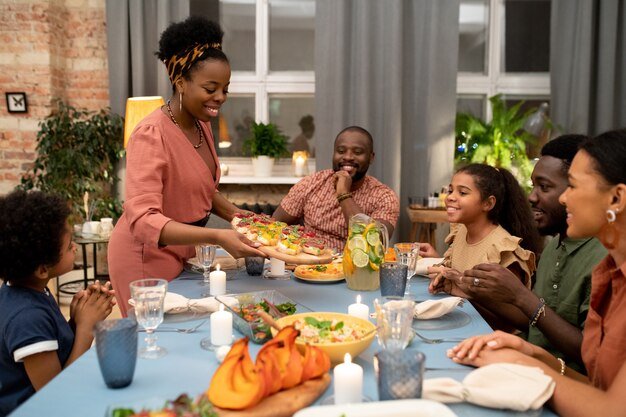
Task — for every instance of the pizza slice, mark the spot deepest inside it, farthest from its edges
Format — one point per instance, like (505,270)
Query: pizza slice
(313,246)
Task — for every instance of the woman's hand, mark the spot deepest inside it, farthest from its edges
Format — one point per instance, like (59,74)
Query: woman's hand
(487,357)
(426,250)
(237,244)
(473,347)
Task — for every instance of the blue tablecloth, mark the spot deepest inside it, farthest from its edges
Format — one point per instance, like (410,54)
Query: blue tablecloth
(80,391)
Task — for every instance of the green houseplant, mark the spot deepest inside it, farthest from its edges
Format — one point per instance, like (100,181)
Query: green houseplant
(502,142)
(265,143)
(76,152)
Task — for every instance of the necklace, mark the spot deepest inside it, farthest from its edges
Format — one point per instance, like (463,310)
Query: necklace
(169,110)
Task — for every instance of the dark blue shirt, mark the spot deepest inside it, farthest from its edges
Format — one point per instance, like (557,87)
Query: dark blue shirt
(30,322)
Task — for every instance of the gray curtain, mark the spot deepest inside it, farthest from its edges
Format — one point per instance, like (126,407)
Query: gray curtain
(133,30)
(588,65)
(390,67)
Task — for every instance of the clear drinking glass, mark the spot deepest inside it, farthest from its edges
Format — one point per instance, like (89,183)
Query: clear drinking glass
(393,320)
(407,254)
(206,255)
(148,296)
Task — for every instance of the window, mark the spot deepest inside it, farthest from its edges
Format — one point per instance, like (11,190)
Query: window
(270,45)
(504,48)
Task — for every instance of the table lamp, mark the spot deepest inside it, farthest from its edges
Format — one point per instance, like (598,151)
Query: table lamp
(136,109)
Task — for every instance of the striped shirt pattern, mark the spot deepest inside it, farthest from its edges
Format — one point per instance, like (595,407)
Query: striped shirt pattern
(314,200)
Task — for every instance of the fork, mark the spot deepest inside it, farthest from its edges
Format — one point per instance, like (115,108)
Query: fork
(184,330)
(437,341)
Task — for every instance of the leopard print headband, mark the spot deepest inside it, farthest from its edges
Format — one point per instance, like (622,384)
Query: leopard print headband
(179,64)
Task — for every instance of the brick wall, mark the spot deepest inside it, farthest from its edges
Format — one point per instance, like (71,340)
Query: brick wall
(48,49)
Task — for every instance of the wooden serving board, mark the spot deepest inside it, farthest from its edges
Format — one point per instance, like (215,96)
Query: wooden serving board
(284,403)
(299,259)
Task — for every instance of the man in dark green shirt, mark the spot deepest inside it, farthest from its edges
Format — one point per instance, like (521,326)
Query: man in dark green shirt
(554,312)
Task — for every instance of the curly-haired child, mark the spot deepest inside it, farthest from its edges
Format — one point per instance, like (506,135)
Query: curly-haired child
(36,342)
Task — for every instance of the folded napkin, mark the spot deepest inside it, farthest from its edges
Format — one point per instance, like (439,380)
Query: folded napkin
(431,309)
(499,385)
(422,264)
(177,304)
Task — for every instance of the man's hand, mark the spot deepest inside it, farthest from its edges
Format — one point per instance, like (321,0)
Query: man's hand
(343,182)
(495,283)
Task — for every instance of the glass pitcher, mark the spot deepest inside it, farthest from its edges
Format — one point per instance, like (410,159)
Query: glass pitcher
(364,252)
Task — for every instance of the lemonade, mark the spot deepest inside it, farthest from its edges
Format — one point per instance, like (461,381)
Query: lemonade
(364,253)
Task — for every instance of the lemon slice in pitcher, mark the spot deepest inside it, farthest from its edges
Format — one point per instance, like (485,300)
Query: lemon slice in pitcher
(373,237)
(357,242)
(360,258)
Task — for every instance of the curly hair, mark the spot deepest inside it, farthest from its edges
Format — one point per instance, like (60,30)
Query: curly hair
(511,210)
(32,226)
(194,30)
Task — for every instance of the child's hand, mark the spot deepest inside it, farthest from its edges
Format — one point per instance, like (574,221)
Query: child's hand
(437,281)
(91,309)
(105,289)
(426,250)
(75,300)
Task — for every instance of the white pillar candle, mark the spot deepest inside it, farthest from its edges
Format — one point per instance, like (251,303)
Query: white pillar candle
(217,281)
(221,327)
(359,310)
(277,267)
(299,166)
(348,382)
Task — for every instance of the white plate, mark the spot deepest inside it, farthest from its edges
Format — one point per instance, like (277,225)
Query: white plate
(453,320)
(398,408)
(421,266)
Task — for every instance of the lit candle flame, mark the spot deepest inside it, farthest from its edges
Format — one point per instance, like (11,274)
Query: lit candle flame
(358,299)
(217,267)
(347,358)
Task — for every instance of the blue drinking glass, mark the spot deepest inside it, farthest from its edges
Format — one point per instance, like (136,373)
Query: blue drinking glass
(116,345)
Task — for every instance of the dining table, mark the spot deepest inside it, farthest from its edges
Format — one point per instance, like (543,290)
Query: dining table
(186,368)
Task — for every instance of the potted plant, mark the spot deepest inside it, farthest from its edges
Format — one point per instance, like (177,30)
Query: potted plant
(502,142)
(265,143)
(76,153)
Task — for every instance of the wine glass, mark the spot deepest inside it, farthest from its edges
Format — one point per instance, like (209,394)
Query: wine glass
(205,254)
(148,296)
(407,254)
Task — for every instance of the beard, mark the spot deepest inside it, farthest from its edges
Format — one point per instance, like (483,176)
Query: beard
(557,224)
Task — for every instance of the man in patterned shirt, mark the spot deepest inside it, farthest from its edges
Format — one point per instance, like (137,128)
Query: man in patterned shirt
(325,201)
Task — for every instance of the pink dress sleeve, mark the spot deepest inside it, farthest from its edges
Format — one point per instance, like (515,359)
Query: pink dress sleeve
(146,168)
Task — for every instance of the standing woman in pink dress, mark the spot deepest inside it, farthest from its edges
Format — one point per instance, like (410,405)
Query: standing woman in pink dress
(172,170)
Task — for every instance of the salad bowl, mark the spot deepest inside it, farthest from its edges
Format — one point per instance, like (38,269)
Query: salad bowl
(334,333)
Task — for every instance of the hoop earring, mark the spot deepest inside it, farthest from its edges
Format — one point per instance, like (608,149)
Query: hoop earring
(180,101)
(612,235)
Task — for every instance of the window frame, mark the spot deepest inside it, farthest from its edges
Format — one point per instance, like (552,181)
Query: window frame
(496,80)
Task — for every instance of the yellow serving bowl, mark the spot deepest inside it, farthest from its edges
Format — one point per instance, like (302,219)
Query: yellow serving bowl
(336,350)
